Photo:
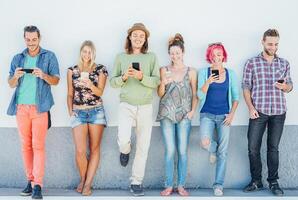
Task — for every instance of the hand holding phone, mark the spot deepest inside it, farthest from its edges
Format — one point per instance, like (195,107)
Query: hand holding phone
(215,73)
(84,75)
(18,73)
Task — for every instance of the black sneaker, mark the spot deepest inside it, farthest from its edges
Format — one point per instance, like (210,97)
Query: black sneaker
(28,190)
(137,190)
(275,189)
(124,159)
(37,192)
(253,186)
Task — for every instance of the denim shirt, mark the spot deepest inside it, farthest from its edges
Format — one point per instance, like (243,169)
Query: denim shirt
(48,63)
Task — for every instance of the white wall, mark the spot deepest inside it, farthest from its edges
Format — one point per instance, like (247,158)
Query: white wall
(64,24)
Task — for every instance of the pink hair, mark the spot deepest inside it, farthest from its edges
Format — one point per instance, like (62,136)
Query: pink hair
(210,50)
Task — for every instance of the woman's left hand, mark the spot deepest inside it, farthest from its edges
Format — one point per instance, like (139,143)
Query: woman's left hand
(228,120)
(190,115)
(87,83)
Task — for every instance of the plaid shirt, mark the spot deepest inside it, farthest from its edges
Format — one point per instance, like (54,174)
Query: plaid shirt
(260,77)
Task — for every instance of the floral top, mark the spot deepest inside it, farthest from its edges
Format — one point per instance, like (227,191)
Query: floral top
(83,95)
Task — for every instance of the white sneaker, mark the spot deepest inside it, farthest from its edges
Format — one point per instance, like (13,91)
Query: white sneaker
(212,158)
(218,191)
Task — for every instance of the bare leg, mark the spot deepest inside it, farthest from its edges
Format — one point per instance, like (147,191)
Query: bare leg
(95,136)
(80,134)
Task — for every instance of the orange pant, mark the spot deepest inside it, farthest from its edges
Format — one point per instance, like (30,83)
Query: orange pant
(32,129)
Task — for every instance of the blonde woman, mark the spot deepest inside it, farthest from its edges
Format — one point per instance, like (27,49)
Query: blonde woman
(86,82)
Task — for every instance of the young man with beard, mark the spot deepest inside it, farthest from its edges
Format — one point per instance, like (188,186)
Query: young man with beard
(266,79)
(136,72)
(32,72)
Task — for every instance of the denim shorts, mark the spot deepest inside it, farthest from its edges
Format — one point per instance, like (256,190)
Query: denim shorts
(94,115)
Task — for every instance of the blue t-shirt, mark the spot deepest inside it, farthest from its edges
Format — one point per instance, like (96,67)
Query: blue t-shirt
(217,102)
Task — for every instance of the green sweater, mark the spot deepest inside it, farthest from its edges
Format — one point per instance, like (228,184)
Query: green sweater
(133,91)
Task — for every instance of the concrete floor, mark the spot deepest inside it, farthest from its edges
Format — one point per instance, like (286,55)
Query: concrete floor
(202,194)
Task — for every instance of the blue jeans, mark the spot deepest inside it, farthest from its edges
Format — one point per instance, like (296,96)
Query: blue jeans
(175,135)
(256,129)
(209,123)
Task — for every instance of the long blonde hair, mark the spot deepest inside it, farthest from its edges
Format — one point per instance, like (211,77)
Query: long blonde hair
(90,44)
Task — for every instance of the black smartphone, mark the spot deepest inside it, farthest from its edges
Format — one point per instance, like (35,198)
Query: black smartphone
(136,66)
(29,71)
(281,81)
(215,72)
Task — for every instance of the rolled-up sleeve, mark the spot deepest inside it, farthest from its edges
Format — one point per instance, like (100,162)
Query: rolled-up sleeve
(247,76)
(54,66)
(288,75)
(13,65)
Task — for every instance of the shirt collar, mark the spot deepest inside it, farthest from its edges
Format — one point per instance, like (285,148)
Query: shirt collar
(260,55)
(41,51)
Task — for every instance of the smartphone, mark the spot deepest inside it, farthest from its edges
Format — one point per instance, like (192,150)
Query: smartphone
(215,72)
(136,66)
(281,81)
(29,71)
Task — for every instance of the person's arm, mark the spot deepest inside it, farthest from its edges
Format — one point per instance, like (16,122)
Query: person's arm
(54,75)
(153,80)
(51,80)
(98,90)
(253,113)
(193,83)
(117,78)
(14,80)
(229,117)
(14,72)
(162,86)
(234,97)
(70,92)
(247,87)
(287,85)
(209,81)
(201,81)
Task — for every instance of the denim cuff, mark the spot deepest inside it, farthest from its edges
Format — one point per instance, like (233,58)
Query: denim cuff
(216,185)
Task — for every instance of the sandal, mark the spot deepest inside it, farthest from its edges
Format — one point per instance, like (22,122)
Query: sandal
(182,192)
(80,187)
(87,191)
(167,192)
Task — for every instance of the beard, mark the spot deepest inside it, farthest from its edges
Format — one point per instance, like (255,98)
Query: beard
(270,53)
(33,48)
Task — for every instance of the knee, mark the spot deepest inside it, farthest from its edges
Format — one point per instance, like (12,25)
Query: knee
(80,152)
(94,150)
(39,146)
(253,148)
(27,147)
(205,142)
(222,155)
(253,151)
(182,153)
(182,150)
(170,153)
(272,148)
